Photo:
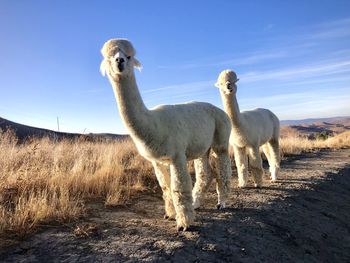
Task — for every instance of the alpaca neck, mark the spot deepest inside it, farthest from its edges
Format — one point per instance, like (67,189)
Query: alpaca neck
(232,109)
(133,111)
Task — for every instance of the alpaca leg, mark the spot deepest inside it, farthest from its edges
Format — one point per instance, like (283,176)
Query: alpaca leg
(223,177)
(181,191)
(163,176)
(266,148)
(274,160)
(255,163)
(203,179)
(241,160)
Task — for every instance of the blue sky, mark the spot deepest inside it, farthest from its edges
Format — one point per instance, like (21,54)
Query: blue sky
(292,57)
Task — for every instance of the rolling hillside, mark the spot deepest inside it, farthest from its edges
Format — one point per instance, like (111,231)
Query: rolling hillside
(307,128)
(25,131)
(311,127)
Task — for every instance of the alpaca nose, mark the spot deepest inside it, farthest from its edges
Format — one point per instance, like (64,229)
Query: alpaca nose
(119,60)
(120,63)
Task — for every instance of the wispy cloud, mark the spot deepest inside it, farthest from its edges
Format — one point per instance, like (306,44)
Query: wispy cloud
(298,72)
(297,97)
(319,80)
(332,29)
(249,59)
(290,45)
(314,35)
(190,86)
(304,60)
(303,104)
(253,59)
(325,73)
(336,23)
(185,91)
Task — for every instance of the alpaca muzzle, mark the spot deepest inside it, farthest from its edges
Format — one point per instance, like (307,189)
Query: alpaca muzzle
(120,60)
(229,87)
(120,63)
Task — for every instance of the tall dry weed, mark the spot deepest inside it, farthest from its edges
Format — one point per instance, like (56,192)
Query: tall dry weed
(293,145)
(42,180)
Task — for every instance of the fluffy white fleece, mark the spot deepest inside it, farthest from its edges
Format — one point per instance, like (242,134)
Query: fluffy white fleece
(250,130)
(170,135)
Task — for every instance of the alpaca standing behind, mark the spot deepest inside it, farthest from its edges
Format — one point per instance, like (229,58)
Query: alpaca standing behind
(170,136)
(250,130)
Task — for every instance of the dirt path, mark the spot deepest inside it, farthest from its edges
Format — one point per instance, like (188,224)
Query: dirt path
(305,217)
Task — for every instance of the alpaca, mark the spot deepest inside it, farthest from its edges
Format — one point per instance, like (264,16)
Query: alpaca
(170,135)
(250,131)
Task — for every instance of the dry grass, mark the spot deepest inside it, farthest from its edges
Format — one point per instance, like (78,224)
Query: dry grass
(42,181)
(292,145)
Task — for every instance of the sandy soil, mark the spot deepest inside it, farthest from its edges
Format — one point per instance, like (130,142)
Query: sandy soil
(304,217)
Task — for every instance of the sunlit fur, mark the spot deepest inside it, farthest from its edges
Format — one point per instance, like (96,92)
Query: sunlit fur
(171,135)
(250,130)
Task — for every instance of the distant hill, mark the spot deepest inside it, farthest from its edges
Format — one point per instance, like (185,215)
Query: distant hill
(314,120)
(25,131)
(311,127)
(307,128)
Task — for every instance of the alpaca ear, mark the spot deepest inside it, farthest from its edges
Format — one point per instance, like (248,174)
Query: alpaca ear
(103,67)
(217,85)
(137,64)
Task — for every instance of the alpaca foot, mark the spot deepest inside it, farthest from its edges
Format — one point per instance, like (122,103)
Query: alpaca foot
(242,184)
(273,174)
(170,213)
(221,205)
(273,178)
(196,203)
(257,185)
(184,220)
(258,181)
(170,218)
(183,229)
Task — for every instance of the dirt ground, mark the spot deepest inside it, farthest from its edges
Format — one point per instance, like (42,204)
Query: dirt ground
(304,217)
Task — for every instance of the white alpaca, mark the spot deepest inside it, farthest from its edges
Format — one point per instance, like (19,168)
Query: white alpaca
(250,130)
(170,135)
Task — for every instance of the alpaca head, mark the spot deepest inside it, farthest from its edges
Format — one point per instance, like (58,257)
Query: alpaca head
(118,58)
(227,82)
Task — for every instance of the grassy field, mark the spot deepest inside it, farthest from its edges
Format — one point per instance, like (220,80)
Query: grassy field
(293,145)
(45,182)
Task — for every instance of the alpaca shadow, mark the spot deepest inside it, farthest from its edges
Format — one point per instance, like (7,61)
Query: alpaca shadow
(214,211)
(308,225)
(301,225)
(294,181)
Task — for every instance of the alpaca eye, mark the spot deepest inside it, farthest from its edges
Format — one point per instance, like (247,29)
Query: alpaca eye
(128,57)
